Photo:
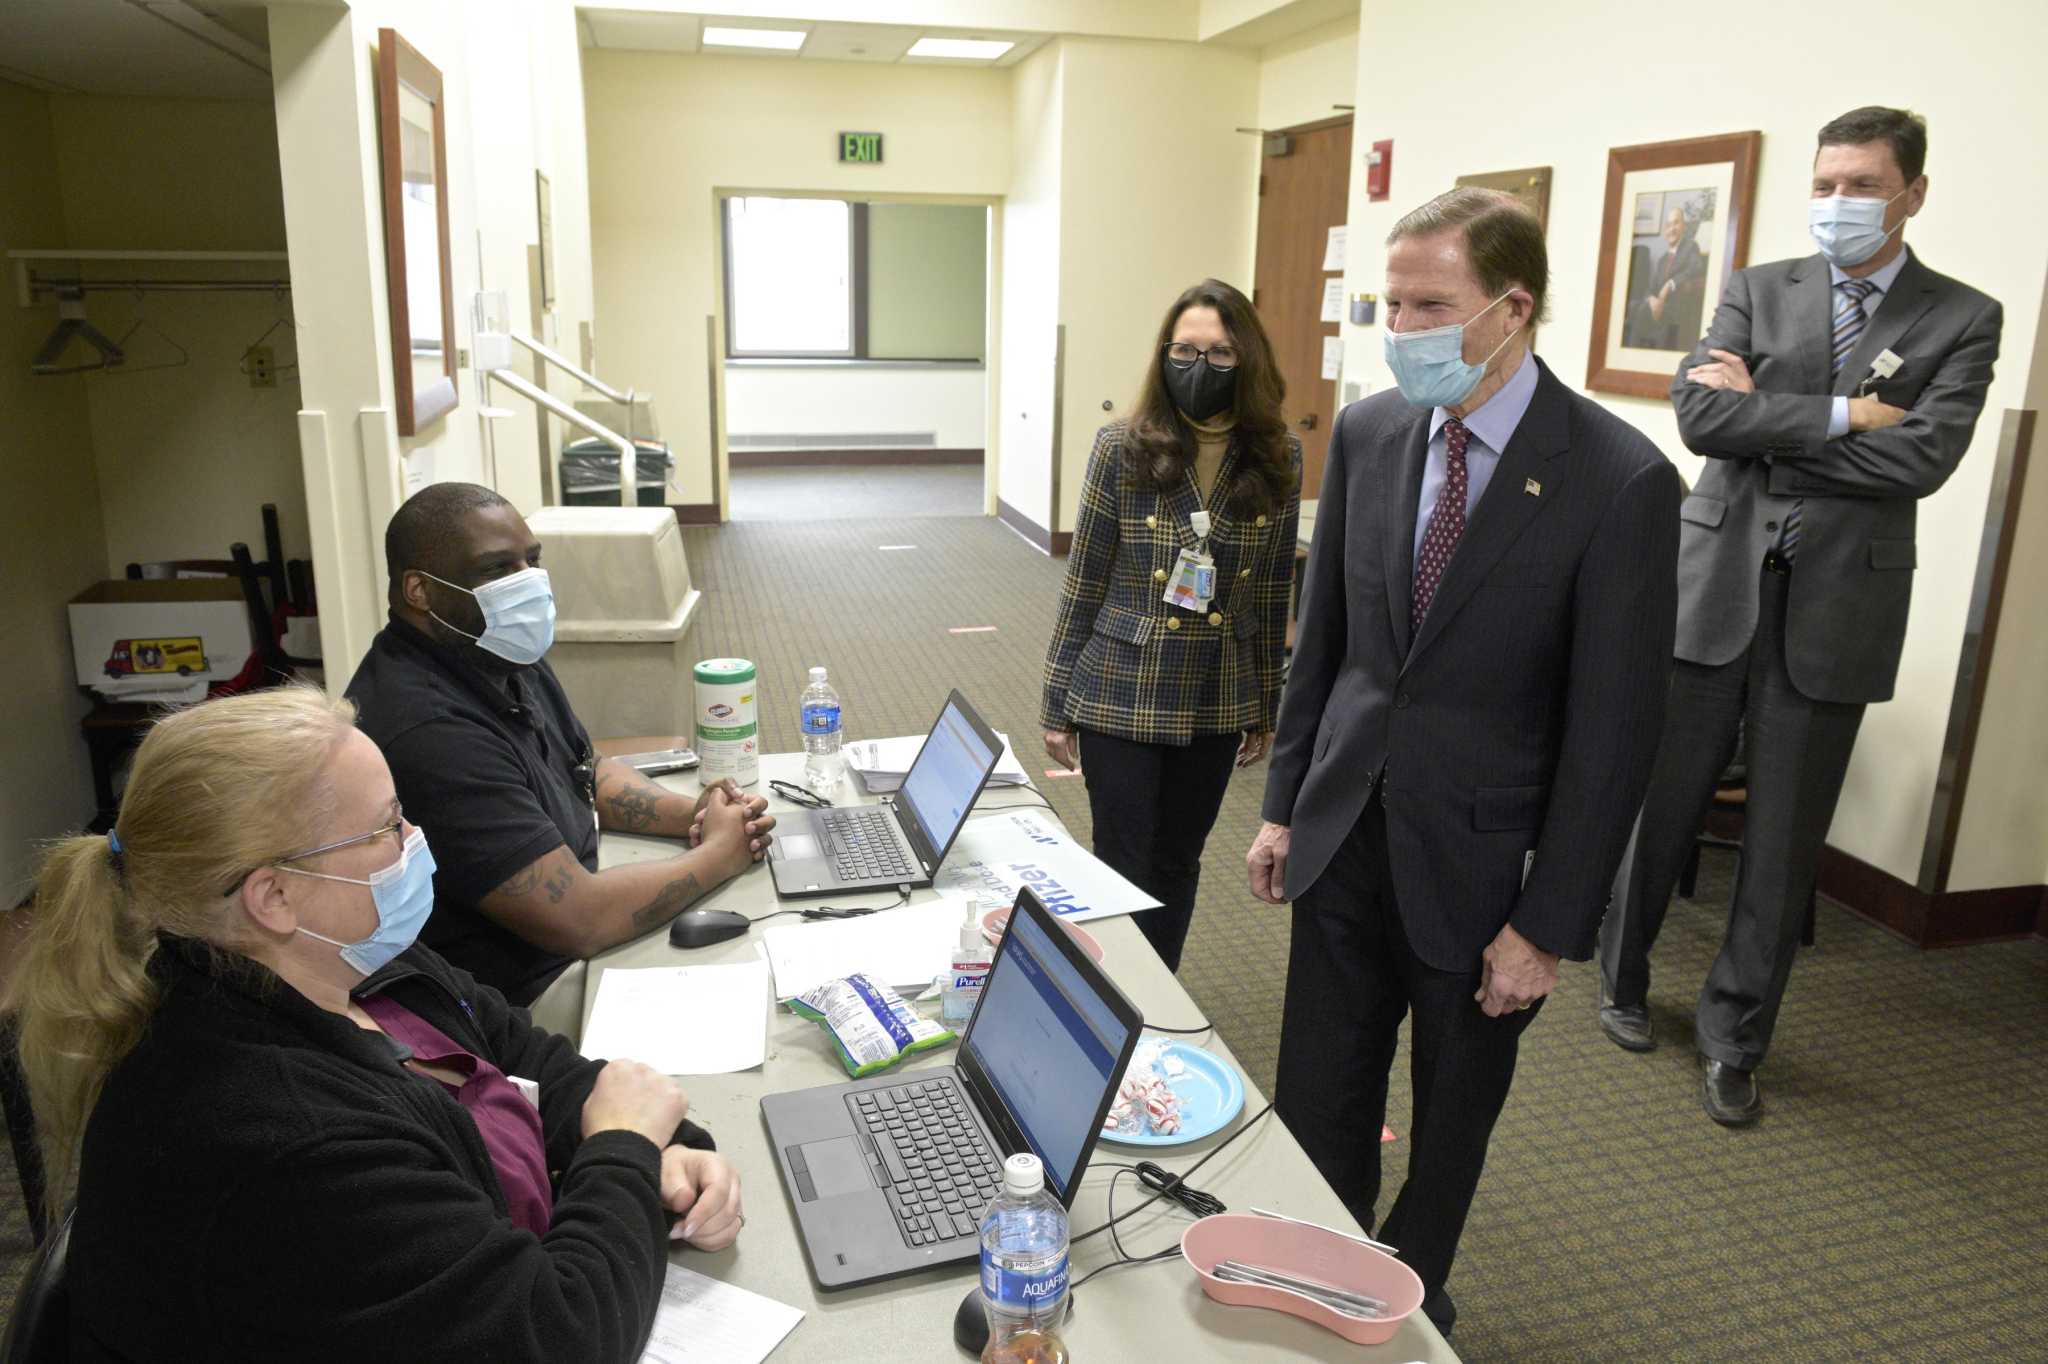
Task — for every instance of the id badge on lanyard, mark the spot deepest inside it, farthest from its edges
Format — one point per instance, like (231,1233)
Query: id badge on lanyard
(1193,581)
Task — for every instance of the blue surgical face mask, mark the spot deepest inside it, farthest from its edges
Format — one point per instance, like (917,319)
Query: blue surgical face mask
(519,614)
(1849,231)
(1430,366)
(404,894)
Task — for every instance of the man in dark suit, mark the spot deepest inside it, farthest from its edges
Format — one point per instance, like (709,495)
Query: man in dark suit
(1477,685)
(1829,396)
(1667,315)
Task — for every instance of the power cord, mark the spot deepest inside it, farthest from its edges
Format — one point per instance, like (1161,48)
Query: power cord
(837,912)
(1164,1184)
(1154,1027)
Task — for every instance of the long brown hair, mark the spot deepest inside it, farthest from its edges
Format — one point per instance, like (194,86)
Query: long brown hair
(1161,446)
(215,790)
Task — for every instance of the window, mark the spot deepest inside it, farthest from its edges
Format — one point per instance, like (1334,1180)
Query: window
(789,276)
(829,279)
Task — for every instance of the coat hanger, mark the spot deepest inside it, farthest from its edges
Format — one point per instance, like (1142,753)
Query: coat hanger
(183,357)
(71,323)
(289,370)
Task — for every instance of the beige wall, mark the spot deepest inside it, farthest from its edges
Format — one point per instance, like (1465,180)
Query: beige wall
(1029,285)
(2003,838)
(669,133)
(186,456)
(1303,78)
(513,103)
(1721,79)
(52,544)
(1157,191)
(927,281)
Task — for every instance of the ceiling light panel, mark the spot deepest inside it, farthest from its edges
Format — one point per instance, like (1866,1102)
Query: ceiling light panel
(776,39)
(960,49)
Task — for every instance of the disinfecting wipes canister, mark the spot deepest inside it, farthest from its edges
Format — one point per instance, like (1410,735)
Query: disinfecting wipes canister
(728,735)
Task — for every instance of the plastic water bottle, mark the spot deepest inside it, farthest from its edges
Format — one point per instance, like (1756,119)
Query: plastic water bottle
(823,767)
(1024,1268)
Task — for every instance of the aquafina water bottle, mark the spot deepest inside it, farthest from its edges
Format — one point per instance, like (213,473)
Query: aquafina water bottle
(1024,1268)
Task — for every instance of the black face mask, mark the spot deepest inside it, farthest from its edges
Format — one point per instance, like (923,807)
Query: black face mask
(1199,391)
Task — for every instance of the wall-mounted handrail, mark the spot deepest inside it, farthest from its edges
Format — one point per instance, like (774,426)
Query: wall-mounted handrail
(629,455)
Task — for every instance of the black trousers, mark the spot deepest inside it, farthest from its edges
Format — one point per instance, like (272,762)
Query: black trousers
(1154,805)
(1351,977)
(1798,754)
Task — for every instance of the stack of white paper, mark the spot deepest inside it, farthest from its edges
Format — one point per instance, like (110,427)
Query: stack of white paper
(682,1020)
(994,856)
(883,763)
(704,1321)
(897,947)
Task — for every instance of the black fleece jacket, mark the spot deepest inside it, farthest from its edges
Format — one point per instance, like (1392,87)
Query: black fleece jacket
(261,1179)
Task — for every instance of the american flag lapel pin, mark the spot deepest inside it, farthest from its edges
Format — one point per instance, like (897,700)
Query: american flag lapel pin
(1532,487)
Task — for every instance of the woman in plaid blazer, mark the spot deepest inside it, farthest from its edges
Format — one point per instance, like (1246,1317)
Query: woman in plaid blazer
(1164,698)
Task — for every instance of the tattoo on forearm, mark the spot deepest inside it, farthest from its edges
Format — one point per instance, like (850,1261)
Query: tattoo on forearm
(631,809)
(667,903)
(561,878)
(524,881)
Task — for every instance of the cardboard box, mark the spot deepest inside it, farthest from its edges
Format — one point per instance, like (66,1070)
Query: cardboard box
(129,636)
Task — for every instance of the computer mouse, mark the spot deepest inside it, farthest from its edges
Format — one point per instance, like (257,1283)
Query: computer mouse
(703,927)
(970,1322)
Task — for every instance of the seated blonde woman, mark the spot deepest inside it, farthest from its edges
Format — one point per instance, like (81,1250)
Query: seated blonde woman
(293,1131)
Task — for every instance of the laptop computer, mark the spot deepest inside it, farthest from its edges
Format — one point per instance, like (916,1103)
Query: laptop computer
(901,841)
(890,1174)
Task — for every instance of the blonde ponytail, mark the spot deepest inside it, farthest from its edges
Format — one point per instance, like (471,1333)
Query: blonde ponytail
(215,792)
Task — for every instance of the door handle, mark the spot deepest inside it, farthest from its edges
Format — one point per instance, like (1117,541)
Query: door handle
(1308,423)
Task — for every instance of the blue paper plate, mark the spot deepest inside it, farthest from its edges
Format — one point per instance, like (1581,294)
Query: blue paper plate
(1211,1094)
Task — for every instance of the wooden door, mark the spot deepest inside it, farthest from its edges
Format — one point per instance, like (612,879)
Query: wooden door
(1302,195)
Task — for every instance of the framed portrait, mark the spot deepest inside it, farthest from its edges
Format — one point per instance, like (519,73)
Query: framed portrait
(413,136)
(1676,221)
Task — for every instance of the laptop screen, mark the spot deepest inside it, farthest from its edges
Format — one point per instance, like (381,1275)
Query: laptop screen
(942,784)
(1048,1044)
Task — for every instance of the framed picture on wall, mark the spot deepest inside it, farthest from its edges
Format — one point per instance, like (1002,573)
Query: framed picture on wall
(1675,223)
(545,202)
(413,134)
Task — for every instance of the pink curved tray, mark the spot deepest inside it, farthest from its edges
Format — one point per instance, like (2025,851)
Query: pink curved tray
(1306,1253)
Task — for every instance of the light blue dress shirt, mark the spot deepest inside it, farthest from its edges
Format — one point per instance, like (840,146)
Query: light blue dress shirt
(1838,415)
(1492,427)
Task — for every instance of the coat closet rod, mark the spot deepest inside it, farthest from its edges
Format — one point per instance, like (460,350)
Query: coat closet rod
(30,286)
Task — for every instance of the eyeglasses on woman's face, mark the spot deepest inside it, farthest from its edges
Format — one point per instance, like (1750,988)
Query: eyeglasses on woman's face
(1184,354)
(396,831)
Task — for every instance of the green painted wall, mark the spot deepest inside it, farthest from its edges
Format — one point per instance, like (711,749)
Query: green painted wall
(927,281)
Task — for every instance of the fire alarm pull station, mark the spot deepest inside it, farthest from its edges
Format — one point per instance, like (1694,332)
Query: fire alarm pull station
(1379,165)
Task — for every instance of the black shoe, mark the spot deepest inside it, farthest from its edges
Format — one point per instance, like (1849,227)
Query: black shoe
(1627,1025)
(1731,1096)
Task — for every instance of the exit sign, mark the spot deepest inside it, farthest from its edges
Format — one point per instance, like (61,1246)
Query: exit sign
(865,147)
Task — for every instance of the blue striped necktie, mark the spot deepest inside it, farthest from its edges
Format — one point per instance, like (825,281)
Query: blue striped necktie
(1850,320)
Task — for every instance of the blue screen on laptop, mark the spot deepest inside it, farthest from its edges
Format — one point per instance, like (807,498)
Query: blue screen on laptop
(1048,1044)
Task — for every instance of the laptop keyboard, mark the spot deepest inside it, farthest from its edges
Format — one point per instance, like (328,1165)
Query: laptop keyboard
(929,1157)
(863,845)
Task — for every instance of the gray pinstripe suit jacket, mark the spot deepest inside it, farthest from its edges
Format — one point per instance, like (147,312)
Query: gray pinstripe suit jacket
(1845,621)
(1523,716)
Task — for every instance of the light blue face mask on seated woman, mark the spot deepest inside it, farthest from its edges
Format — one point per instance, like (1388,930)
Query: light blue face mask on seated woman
(519,614)
(404,893)
(1430,366)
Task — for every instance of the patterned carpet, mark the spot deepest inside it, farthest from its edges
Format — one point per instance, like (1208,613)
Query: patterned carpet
(1892,1205)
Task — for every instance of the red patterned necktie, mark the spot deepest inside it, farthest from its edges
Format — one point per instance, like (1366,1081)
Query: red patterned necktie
(1446,522)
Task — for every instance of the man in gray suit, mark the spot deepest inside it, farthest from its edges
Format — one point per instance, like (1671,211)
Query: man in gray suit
(1478,680)
(1829,396)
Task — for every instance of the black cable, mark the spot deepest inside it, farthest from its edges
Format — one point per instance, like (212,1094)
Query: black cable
(1173,1182)
(1206,1027)
(1017,805)
(836,911)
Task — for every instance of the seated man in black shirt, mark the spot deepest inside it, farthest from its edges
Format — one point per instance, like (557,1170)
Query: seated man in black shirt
(491,762)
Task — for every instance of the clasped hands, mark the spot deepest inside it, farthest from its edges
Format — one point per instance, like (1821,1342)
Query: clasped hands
(750,811)
(1513,972)
(1729,371)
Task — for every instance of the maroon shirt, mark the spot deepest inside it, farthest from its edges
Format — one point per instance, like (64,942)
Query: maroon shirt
(510,1126)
